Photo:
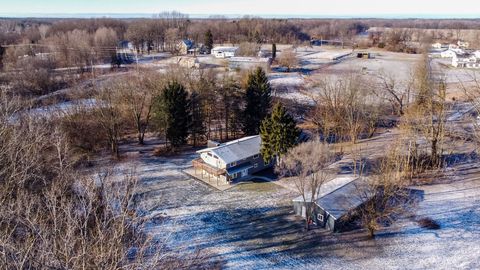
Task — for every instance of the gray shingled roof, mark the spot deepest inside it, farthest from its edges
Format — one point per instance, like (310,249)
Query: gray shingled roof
(341,201)
(236,150)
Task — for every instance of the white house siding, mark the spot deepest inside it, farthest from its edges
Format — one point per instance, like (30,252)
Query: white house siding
(214,162)
(448,54)
(224,52)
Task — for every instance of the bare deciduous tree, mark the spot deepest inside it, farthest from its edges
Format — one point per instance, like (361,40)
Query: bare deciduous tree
(288,58)
(55,217)
(135,95)
(109,117)
(308,165)
(472,93)
(385,194)
(427,117)
(343,108)
(394,92)
(248,49)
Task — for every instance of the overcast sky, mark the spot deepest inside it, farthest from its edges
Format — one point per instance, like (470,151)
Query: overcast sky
(306,8)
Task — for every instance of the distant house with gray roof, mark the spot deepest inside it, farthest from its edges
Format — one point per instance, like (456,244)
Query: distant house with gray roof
(234,160)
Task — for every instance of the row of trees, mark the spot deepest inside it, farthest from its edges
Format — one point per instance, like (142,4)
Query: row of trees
(345,108)
(163,31)
(182,106)
(54,215)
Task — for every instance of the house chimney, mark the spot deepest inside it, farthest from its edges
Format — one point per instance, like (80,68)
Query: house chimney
(211,143)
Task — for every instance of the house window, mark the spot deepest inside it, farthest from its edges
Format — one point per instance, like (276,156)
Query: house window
(233,164)
(256,156)
(234,175)
(320,217)
(255,165)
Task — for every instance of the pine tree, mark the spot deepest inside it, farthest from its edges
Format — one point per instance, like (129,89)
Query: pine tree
(209,41)
(196,124)
(274,51)
(172,112)
(279,133)
(258,99)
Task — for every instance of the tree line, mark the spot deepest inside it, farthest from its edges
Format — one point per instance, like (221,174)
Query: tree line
(182,107)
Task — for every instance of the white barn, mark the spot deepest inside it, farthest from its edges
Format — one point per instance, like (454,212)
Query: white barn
(224,52)
(448,54)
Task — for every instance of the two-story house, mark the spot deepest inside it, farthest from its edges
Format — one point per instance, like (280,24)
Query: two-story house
(235,160)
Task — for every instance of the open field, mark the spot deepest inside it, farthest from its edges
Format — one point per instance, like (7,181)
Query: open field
(252,225)
(126,144)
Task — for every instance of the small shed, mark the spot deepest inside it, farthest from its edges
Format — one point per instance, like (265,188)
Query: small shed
(332,210)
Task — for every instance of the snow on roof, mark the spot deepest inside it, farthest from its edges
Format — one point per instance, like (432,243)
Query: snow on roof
(225,49)
(341,195)
(236,150)
(250,59)
(330,186)
(342,200)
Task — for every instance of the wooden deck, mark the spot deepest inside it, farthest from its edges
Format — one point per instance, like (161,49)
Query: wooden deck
(199,164)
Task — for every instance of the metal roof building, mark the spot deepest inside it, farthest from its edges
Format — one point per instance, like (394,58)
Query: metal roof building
(336,202)
(234,160)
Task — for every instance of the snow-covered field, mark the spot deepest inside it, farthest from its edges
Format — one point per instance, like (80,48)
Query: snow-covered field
(252,226)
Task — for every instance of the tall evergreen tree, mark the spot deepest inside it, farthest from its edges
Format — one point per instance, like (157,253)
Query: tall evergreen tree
(258,99)
(209,41)
(172,112)
(274,51)
(196,124)
(279,133)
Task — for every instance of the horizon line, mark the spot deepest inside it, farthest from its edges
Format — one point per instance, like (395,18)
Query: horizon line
(135,15)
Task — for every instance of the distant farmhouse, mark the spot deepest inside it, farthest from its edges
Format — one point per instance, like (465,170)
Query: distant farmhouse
(235,160)
(224,52)
(459,45)
(449,53)
(186,46)
(461,56)
(467,60)
(189,47)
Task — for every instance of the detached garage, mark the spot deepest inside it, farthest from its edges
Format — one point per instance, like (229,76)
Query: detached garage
(332,210)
